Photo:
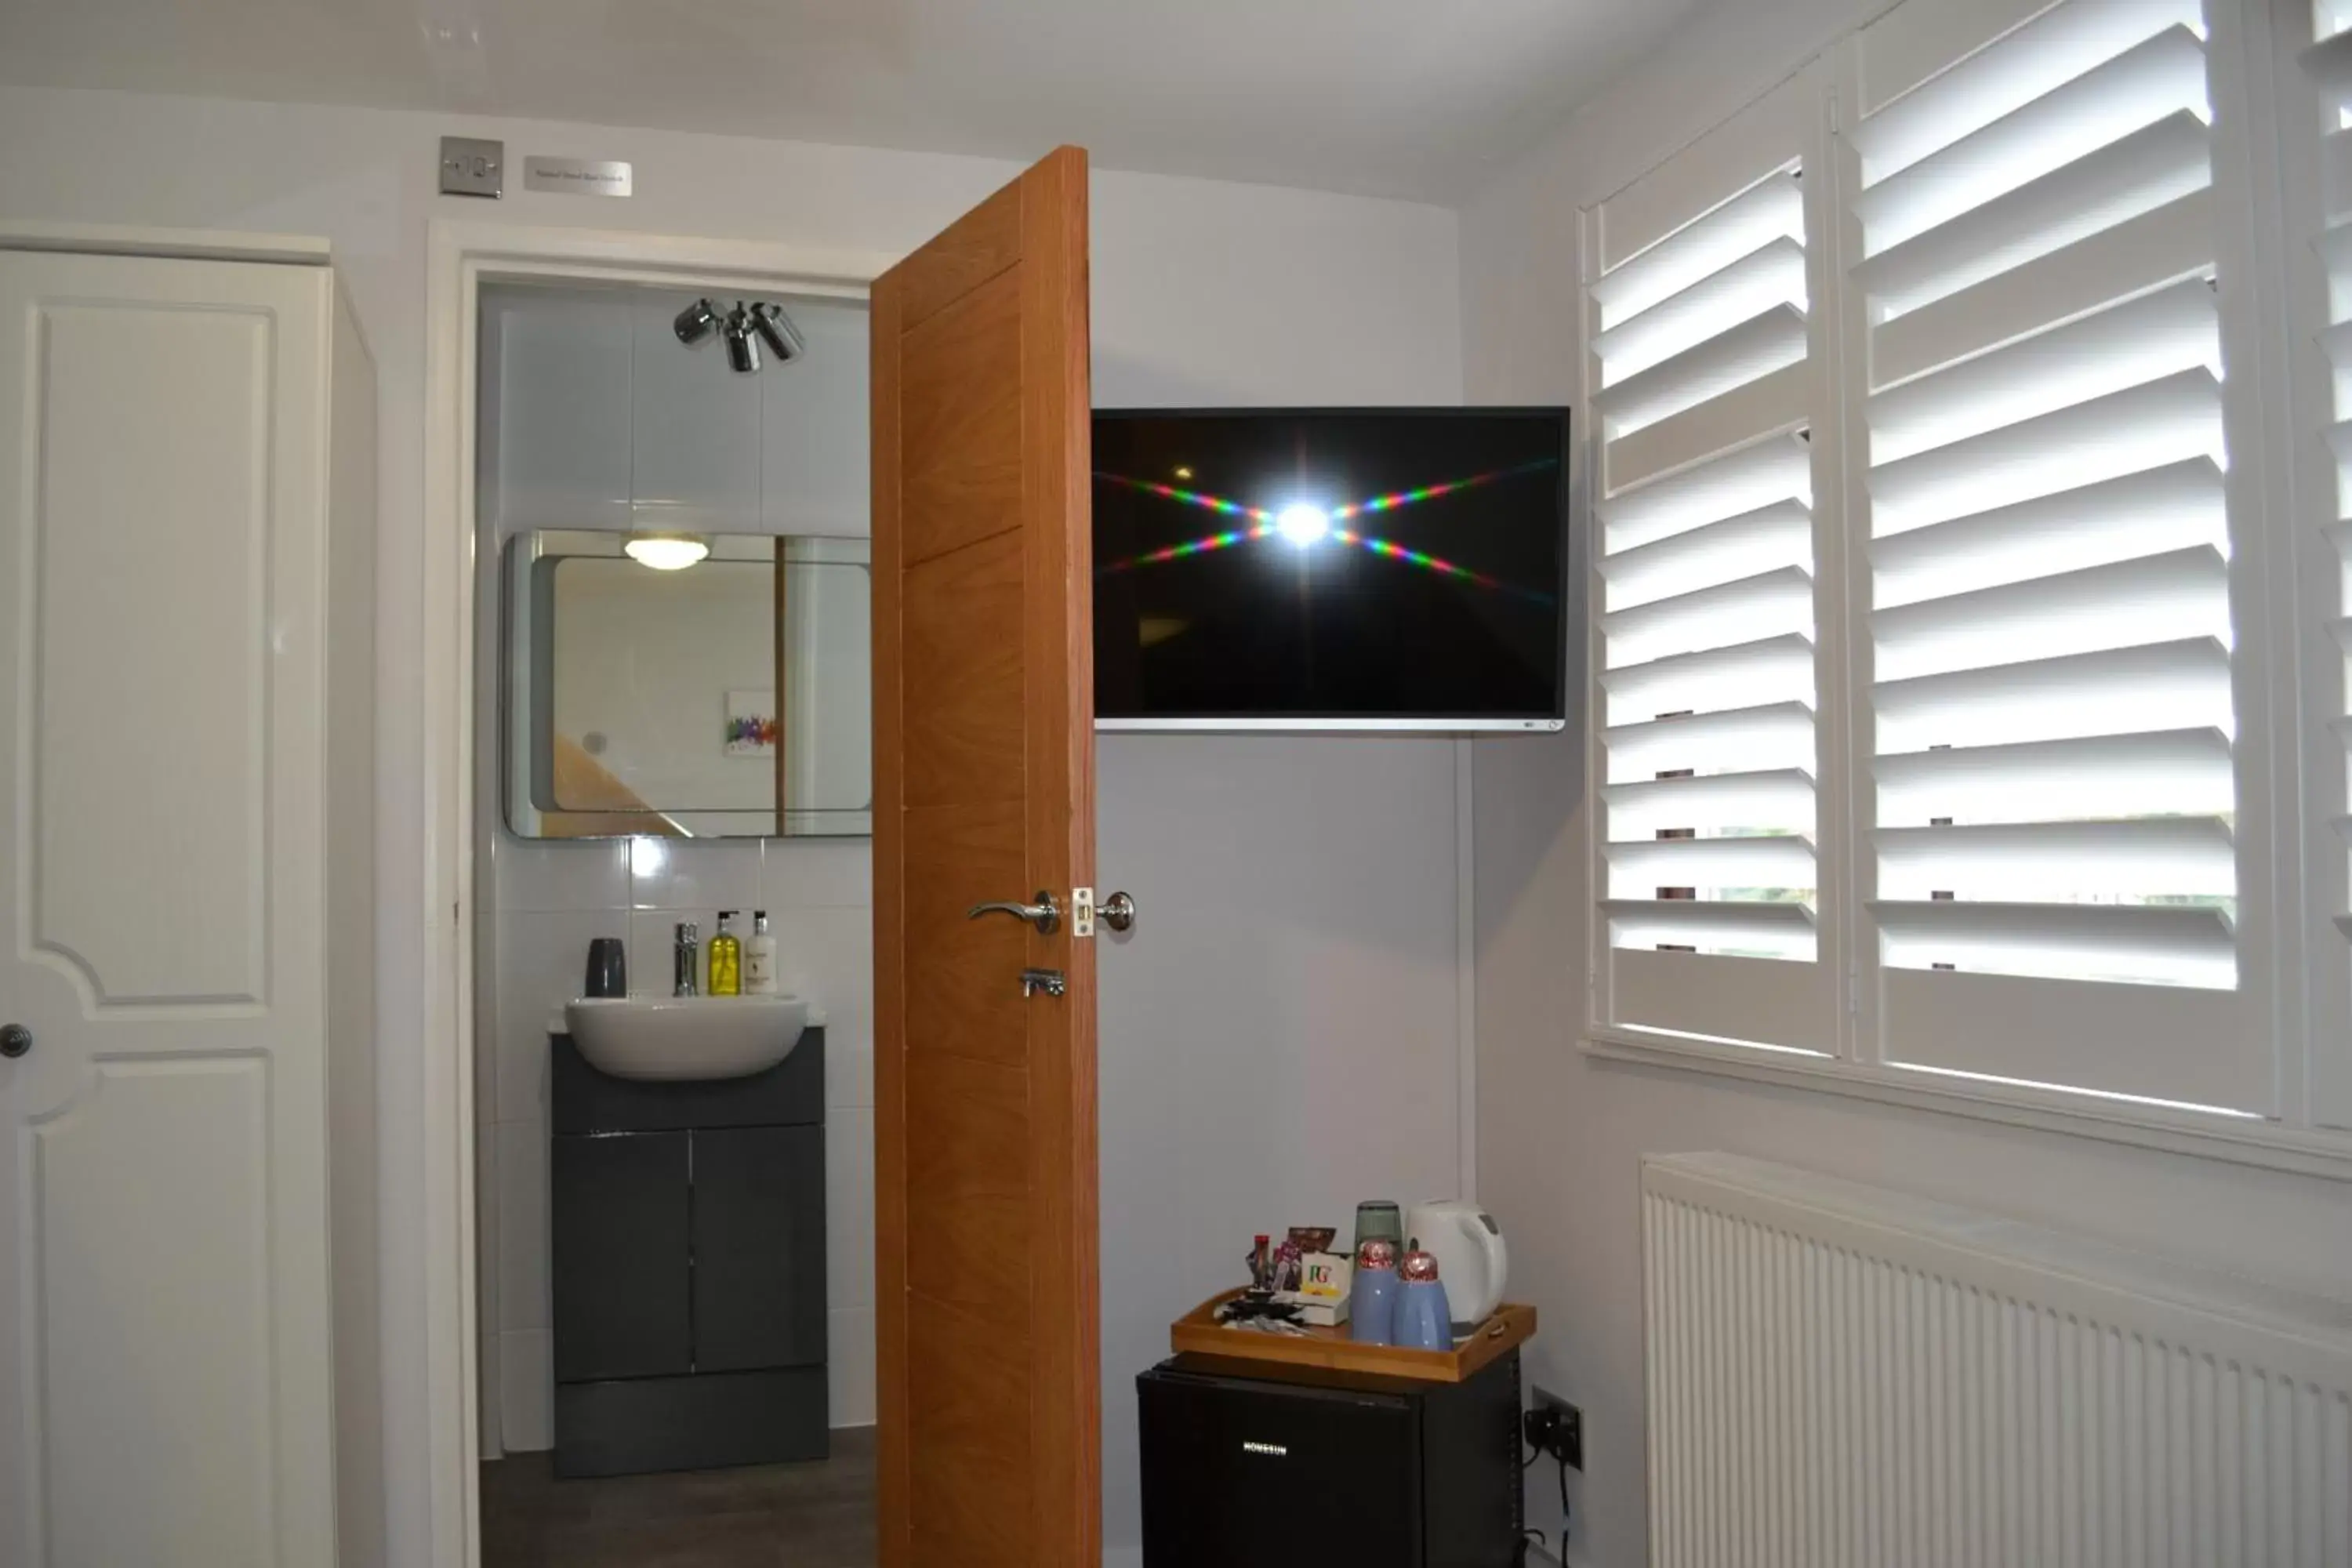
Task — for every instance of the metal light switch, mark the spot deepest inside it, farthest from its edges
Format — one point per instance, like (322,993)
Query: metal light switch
(473,167)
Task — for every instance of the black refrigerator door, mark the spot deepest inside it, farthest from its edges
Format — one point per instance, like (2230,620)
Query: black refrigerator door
(1251,1475)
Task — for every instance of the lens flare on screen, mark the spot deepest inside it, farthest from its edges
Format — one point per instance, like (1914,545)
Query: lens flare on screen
(1305,524)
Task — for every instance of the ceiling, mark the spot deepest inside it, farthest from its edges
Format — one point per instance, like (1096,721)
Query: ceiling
(1402,98)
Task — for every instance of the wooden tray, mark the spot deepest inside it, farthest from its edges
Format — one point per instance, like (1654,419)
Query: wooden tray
(1198,1332)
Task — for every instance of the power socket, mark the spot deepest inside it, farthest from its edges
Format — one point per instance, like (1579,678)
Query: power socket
(1555,1427)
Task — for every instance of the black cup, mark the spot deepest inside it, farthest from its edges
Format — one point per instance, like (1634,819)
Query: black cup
(608,967)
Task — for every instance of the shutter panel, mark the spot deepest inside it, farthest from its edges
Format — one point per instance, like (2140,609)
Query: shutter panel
(1704,376)
(2322,281)
(2049,536)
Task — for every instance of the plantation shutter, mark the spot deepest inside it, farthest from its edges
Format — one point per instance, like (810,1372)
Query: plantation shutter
(1705,371)
(2324,320)
(2051,824)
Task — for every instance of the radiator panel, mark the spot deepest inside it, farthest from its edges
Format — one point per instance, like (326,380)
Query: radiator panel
(1843,1376)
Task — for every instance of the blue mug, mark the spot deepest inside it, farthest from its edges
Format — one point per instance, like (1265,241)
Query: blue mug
(1371,1306)
(1422,1320)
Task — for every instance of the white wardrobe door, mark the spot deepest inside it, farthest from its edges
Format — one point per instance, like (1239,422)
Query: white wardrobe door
(165,1355)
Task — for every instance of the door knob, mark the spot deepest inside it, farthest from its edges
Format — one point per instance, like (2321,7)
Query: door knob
(1117,911)
(1044,914)
(14,1041)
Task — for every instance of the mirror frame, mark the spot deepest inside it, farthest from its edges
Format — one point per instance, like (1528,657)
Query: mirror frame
(522,725)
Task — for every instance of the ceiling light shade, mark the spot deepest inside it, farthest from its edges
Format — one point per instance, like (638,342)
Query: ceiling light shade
(742,353)
(776,331)
(666,552)
(695,324)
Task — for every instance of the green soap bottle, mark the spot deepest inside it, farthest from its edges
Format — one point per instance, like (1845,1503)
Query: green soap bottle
(726,959)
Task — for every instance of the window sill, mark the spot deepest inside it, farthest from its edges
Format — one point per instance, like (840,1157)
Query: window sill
(2263,1144)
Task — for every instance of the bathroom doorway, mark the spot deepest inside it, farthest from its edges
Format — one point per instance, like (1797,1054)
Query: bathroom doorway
(984,1227)
(672,949)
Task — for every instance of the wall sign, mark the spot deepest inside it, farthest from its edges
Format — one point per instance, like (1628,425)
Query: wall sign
(577,176)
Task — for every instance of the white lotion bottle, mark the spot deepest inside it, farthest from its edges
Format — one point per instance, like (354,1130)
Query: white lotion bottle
(760,958)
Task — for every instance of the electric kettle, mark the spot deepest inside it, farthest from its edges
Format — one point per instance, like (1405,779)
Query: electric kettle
(1468,1247)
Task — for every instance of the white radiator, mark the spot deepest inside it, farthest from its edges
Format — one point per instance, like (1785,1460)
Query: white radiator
(1840,1375)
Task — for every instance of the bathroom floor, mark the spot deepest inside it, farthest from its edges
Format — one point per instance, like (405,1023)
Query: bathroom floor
(769,1516)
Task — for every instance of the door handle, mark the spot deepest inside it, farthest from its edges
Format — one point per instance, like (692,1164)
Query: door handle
(1044,914)
(1117,911)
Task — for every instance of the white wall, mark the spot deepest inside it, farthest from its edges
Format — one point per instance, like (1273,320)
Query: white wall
(1559,1135)
(1203,293)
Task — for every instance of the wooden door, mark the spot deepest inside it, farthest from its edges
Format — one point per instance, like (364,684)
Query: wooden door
(164,1360)
(984,751)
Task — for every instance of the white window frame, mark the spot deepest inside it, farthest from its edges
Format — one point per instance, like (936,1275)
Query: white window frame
(2282,479)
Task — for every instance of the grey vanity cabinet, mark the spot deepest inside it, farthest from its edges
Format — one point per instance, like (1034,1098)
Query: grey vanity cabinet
(624,1274)
(754,1256)
(689,1268)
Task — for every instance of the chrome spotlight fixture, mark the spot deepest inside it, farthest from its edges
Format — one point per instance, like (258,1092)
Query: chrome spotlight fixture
(742,353)
(776,331)
(695,324)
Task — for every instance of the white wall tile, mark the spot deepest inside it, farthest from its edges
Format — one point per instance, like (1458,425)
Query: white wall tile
(827,956)
(652,935)
(527,1390)
(679,874)
(849,1366)
(487,1255)
(523,1231)
(562,873)
(490,1408)
(849,1207)
(816,873)
(542,962)
(488,1200)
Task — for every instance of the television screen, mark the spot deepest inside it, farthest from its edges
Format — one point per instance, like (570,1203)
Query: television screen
(1331,569)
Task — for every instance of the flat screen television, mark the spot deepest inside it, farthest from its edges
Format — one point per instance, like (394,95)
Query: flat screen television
(1372,569)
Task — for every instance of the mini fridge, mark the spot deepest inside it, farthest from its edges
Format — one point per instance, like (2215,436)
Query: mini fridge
(1249,1466)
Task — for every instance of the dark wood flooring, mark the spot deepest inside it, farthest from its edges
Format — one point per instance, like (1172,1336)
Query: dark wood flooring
(768,1516)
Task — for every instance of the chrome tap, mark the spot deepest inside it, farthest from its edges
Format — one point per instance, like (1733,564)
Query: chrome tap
(685,962)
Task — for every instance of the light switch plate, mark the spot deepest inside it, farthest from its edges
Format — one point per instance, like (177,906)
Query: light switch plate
(473,167)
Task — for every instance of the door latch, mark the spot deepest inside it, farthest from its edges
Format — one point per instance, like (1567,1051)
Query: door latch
(1052,981)
(1117,911)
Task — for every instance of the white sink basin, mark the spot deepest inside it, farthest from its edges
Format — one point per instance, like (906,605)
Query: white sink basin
(685,1038)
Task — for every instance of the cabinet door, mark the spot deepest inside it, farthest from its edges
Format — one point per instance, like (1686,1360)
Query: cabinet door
(165,1366)
(759,1247)
(623,1277)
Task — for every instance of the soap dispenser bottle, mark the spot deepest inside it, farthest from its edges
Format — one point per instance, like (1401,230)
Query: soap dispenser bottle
(760,958)
(726,959)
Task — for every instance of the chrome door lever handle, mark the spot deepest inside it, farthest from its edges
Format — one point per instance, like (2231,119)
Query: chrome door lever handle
(1044,914)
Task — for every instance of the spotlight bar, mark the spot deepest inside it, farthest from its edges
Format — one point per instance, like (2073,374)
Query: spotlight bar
(742,330)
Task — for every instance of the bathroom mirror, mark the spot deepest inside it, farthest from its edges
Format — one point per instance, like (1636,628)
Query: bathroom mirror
(691,686)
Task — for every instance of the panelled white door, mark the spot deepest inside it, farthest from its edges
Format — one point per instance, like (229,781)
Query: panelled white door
(165,1395)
